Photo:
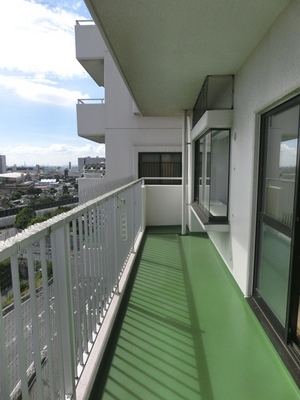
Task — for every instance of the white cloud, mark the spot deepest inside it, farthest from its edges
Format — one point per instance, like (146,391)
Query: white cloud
(31,89)
(55,154)
(39,51)
(288,153)
(39,39)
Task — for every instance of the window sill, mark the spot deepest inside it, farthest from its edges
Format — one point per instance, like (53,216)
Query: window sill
(209,226)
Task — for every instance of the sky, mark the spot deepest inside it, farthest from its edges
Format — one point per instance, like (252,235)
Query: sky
(40,83)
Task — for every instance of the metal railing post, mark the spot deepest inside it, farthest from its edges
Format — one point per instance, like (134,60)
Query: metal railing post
(19,326)
(3,357)
(65,328)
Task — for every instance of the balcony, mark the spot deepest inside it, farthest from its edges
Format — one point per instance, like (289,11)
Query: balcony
(91,119)
(187,332)
(90,50)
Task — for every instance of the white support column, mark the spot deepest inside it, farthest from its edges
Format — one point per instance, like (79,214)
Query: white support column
(184,173)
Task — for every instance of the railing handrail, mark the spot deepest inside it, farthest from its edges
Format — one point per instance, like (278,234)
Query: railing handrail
(94,101)
(35,232)
(281,180)
(85,22)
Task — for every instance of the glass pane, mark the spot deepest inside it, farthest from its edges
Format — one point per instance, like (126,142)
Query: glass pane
(149,157)
(298,323)
(281,132)
(274,264)
(171,157)
(219,173)
(281,165)
(206,172)
(202,170)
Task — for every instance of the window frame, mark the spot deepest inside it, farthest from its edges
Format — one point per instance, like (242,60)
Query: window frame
(161,164)
(203,212)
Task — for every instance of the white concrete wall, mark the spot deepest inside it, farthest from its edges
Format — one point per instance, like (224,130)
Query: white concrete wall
(163,205)
(270,76)
(89,43)
(115,123)
(126,133)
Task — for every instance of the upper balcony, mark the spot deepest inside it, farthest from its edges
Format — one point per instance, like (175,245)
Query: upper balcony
(187,331)
(91,119)
(90,50)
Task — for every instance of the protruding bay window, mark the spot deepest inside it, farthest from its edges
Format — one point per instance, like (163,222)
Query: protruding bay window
(212,175)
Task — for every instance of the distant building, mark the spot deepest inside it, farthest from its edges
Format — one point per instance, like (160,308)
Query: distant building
(96,164)
(2,164)
(14,180)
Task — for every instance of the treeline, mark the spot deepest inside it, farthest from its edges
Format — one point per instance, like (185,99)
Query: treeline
(39,206)
(6,278)
(27,216)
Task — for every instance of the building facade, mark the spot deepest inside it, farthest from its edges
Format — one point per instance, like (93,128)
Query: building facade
(2,164)
(240,158)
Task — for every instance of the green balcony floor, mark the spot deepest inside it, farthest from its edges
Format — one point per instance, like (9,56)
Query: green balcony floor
(188,333)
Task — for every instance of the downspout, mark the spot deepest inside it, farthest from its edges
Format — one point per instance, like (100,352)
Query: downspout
(184,173)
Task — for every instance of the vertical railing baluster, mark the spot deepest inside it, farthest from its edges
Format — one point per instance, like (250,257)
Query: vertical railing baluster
(98,264)
(83,284)
(103,255)
(34,322)
(88,275)
(65,327)
(116,232)
(49,333)
(77,291)
(19,326)
(92,227)
(4,379)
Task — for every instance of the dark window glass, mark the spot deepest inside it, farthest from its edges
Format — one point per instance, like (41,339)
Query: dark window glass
(160,165)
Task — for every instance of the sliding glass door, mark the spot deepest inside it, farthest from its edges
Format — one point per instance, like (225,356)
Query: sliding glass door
(277,269)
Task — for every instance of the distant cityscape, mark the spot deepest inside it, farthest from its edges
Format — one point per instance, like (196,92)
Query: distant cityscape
(22,186)
(84,164)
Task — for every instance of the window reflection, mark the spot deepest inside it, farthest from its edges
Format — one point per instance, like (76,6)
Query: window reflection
(211,173)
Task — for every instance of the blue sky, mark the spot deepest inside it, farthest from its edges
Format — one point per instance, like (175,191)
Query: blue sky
(40,82)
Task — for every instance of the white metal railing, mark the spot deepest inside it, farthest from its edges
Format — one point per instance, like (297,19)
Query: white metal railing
(280,199)
(91,192)
(48,333)
(91,101)
(85,22)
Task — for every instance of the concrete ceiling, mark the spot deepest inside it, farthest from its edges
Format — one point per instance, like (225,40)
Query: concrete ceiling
(164,49)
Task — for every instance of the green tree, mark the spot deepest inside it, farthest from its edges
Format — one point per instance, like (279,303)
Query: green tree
(34,191)
(53,191)
(17,194)
(37,219)
(61,210)
(24,217)
(49,269)
(5,274)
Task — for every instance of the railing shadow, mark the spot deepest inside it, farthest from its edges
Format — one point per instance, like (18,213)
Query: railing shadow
(157,351)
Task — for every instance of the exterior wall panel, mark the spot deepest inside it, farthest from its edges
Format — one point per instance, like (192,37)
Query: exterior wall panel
(269,77)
